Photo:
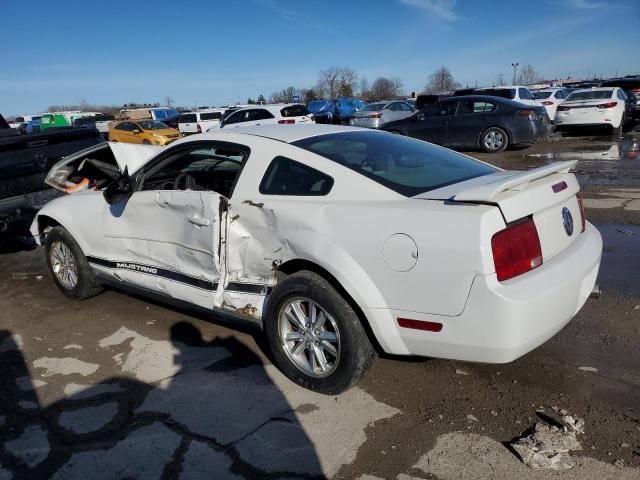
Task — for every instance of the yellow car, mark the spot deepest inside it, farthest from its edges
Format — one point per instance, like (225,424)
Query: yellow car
(149,132)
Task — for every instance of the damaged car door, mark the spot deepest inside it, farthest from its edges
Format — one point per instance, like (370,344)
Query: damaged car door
(168,235)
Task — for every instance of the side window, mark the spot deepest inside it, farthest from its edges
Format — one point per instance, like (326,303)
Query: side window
(621,95)
(234,118)
(471,106)
(288,177)
(448,108)
(121,126)
(135,126)
(394,107)
(406,107)
(262,114)
(525,94)
(208,168)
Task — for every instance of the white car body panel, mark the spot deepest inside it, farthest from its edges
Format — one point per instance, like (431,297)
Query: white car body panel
(586,112)
(550,103)
(192,127)
(228,258)
(131,155)
(517,97)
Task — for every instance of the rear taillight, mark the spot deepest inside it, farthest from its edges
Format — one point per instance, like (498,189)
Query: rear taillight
(582,217)
(607,105)
(563,109)
(516,249)
(286,122)
(547,102)
(530,114)
(199,128)
(375,115)
(636,90)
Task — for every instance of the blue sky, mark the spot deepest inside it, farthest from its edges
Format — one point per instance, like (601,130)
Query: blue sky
(216,52)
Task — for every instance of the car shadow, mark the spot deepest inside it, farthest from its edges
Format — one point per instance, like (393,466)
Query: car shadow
(226,419)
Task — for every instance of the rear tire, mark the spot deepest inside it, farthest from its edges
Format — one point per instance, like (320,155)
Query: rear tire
(68,266)
(494,139)
(146,142)
(329,356)
(620,129)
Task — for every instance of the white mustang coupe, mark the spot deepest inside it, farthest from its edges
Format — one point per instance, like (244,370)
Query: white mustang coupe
(338,241)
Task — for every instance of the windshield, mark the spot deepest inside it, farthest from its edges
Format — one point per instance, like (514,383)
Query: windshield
(590,95)
(373,107)
(403,164)
(541,95)
(162,113)
(152,125)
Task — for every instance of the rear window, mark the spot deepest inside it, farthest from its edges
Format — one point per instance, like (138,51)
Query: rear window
(211,116)
(187,118)
(509,93)
(403,164)
(294,111)
(541,95)
(590,95)
(373,107)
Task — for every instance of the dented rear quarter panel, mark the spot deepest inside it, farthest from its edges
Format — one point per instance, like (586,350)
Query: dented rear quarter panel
(344,232)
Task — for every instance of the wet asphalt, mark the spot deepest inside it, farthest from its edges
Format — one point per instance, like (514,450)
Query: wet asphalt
(121,387)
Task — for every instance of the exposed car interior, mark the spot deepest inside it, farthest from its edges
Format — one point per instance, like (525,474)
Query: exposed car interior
(205,168)
(91,172)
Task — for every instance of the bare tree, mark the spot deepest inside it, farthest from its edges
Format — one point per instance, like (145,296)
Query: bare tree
(441,81)
(398,87)
(382,88)
(363,89)
(528,75)
(500,79)
(337,81)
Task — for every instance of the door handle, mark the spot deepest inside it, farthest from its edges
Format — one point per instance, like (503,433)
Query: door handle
(201,222)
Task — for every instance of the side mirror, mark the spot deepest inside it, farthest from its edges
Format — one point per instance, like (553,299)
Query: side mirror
(135,131)
(119,189)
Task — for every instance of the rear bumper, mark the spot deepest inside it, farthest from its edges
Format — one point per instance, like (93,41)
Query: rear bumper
(529,132)
(588,120)
(502,321)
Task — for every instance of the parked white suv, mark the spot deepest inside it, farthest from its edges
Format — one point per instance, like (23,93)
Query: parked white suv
(200,121)
(282,114)
(517,93)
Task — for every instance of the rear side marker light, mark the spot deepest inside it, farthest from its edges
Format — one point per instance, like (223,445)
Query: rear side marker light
(516,249)
(419,325)
(607,105)
(558,187)
(582,216)
(286,122)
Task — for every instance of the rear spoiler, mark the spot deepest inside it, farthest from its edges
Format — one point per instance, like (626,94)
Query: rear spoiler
(489,191)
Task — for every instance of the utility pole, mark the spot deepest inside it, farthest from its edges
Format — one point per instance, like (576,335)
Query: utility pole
(515,67)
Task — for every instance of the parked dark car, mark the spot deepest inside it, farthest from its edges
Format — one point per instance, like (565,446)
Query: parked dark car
(491,123)
(172,121)
(25,161)
(631,87)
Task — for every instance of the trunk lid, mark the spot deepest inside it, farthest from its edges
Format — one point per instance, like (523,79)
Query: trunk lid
(542,193)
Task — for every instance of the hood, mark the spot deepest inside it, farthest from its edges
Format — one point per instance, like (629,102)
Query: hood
(132,156)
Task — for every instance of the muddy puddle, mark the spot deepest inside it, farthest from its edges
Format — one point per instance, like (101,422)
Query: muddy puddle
(620,266)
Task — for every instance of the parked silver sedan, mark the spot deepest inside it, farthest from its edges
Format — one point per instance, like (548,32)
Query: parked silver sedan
(374,115)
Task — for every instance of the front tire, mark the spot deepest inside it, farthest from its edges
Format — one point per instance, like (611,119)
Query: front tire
(494,139)
(68,266)
(315,336)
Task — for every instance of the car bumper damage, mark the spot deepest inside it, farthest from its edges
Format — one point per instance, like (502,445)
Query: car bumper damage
(501,321)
